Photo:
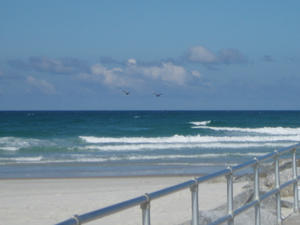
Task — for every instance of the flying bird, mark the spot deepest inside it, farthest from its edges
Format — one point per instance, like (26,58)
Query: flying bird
(125,92)
(157,94)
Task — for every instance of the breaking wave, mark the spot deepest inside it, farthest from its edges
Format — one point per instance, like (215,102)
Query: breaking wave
(138,147)
(188,139)
(201,123)
(85,158)
(262,130)
(15,143)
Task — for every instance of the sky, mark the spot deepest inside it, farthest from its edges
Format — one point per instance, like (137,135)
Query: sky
(200,55)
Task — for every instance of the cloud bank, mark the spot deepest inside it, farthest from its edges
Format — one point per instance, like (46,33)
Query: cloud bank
(42,85)
(133,74)
(202,55)
(48,65)
(128,73)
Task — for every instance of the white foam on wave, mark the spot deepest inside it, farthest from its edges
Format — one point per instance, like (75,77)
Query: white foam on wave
(16,143)
(28,159)
(210,155)
(262,130)
(22,159)
(9,148)
(201,123)
(187,139)
(139,147)
(41,160)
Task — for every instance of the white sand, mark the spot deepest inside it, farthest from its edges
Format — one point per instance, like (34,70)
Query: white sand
(49,201)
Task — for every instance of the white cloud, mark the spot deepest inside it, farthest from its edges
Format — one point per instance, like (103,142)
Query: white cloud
(196,74)
(202,55)
(166,72)
(111,77)
(51,65)
(135,75)
(42,85)
(131,62)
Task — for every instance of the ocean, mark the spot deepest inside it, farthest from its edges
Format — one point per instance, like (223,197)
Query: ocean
(38,144)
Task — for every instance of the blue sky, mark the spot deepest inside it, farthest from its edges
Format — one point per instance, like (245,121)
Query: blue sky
(202,55)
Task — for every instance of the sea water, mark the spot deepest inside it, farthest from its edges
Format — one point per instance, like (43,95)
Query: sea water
(129,143)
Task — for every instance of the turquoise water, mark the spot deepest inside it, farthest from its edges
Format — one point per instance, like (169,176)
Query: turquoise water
(121,143)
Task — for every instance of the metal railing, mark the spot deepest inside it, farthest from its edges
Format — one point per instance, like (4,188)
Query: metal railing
(145,200)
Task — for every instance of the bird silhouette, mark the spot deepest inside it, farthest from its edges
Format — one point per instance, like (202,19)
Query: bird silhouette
(157,94)
(125,92)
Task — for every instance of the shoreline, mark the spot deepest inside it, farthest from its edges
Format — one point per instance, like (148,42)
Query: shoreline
(94,170)
(106,177)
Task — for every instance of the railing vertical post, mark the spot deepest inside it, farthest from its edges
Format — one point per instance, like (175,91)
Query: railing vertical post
(195,207)
(230,196)
(146,211)
(296,206)
(277,185)
(256,192)
(76,218)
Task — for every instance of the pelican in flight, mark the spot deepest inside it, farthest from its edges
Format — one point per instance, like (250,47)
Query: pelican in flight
(125,92)
(157,94)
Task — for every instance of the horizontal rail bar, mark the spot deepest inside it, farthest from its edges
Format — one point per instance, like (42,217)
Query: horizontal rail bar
(282,186)
(244,165)
(287,149)
(93,215)
(245,207)
(71,221)
(184,185)
(264,157)
(172,189)
(213,175)
(268,194)
(84,218)
(112,209)
(235,213)
(221,220)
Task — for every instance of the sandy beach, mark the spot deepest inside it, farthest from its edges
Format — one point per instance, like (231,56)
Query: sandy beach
(49,201)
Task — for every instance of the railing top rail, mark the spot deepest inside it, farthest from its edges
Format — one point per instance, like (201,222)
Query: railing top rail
(165,191)
(264,157)
(96,214)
